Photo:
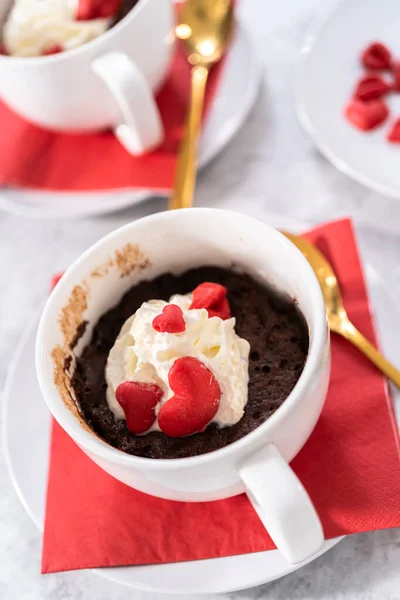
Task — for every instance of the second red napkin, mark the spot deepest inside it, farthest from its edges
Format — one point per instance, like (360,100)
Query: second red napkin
(31,157)
(350,467)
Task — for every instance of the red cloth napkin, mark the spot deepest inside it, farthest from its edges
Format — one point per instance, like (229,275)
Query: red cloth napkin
(31,157)
(350,467)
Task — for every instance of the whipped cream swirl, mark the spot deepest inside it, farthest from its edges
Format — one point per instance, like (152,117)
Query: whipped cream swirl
(141,353)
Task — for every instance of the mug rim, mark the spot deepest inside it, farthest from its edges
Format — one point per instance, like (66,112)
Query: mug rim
(65,54)
(97,446)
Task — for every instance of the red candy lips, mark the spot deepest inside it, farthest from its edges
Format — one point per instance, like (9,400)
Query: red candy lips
(138,401)
(196,399)
(212,297)
(170,321)
(97,9)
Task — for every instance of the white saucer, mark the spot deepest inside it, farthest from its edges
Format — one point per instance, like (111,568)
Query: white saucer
(28,419)
(328,73)
(236,95)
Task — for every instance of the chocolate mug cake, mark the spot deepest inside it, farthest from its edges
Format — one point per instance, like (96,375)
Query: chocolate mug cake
(43,27)
(193,371)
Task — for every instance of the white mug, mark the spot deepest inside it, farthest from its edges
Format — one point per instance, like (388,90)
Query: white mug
(108,82)
(257,463)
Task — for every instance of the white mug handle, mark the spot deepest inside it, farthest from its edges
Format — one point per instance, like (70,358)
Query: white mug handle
(282,504)
(141,128)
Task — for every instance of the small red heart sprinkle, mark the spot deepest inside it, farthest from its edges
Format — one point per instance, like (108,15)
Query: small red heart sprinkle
(376,56)
(394,133)
(138,401)
(212,296)
(371,87)
(366,115)
(56,49)
(170,321)
(97,9)
(396,76)
(195,401)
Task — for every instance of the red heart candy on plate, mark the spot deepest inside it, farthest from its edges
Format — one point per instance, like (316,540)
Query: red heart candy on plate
(366,115)
(211,296)
(376,56)
(97,9)
(371,87)
(138,401)
(394,133)
(196,399)
(170,321)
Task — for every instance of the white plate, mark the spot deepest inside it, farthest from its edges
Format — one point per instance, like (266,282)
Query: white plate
(29,419)
(237,92)
(328,73)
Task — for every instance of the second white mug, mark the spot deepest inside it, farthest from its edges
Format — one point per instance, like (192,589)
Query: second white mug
(109,82)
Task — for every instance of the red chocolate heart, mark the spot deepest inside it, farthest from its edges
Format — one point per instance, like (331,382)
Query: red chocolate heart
(138,401)
(97,9)
(170,321)
(394,133)
(196,399)
(212,296)
(376,56)
(56,49)
(366,115)
(4,49)
(371,87)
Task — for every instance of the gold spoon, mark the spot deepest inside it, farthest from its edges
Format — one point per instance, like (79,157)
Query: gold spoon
(205,28)
(337,316)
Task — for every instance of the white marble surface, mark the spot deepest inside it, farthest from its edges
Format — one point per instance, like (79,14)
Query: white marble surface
(271,166)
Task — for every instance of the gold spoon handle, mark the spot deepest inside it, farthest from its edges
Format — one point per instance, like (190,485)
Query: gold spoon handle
(351,334)
(185,176)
